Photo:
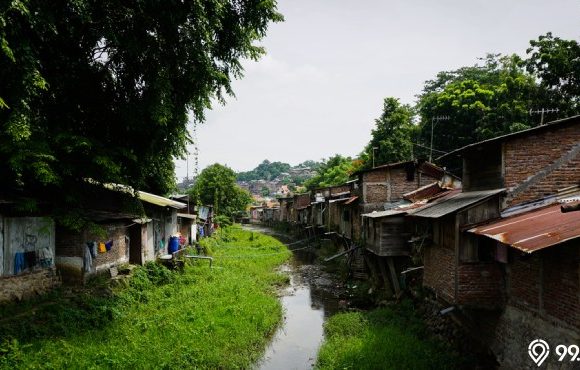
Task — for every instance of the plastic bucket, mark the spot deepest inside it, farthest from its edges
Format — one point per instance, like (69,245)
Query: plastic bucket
(173,244)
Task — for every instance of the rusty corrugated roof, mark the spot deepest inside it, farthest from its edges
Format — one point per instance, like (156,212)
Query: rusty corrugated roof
(424,192)
(534,230)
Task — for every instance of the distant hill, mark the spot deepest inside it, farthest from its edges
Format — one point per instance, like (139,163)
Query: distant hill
(268,177)
(270,171)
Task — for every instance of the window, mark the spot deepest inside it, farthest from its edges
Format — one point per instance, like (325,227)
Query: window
(477,249)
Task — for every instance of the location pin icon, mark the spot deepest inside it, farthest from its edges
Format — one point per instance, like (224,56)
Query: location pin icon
(538,351)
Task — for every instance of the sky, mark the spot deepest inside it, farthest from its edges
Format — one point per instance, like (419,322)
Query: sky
(331,63)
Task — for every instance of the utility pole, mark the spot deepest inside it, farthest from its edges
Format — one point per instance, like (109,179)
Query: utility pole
(374,148)
(187,166)
(434,121)
(542,111)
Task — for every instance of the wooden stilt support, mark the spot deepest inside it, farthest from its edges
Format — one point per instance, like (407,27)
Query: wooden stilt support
(394,276)
(371,263)
(387,283)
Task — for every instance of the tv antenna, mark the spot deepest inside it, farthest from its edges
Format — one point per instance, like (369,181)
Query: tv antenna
(542,111)
(195,151)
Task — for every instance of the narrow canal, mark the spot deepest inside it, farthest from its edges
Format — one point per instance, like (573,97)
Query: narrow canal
(310,297)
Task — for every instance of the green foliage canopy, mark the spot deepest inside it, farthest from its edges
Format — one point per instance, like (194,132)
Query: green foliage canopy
(102,89)
(556,62)
(216,185)
(335,170)
(392,136)
(264,171)
(482,101)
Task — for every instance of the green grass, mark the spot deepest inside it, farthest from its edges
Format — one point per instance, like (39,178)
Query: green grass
(198,318)
(387,338)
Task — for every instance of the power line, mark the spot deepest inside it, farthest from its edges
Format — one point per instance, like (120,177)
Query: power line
(426,147)
(434,121)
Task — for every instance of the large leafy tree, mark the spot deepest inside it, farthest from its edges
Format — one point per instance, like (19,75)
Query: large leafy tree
(102,89)
(216,185)
(391,139)
(478,102)
(556,62)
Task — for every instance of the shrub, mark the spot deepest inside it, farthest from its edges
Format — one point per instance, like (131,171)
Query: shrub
(223,220)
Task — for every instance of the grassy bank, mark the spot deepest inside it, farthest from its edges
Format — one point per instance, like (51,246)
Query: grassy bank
(387,338)
(219,318)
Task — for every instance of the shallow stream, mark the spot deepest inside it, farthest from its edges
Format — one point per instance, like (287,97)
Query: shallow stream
(310,297)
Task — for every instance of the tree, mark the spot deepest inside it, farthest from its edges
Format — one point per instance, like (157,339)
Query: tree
(556,62)
(102,89)
(481,102)
(392,135)
(265,191)
(335,170)
(216,185)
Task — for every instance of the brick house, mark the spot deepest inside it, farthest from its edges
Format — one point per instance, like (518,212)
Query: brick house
(337,196)
(454,266)
(517,253)
(119,234)
(388,183)
(285,208)
(301,206)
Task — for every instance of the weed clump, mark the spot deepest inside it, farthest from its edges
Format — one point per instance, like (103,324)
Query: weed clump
(386,338)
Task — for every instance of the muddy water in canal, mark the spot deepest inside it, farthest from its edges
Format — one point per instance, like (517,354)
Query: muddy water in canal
(311,296)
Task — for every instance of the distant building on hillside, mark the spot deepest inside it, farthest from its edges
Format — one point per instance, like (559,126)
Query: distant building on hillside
(184,185)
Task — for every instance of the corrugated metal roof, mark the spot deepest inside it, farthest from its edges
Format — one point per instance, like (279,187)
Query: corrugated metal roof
(142,195)
(455,202)
(388,213)
(535,230)
(159,200)
(187,215)
(424,192)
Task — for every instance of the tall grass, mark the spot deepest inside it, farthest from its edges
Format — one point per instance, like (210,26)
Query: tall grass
(387,338)
(198,318)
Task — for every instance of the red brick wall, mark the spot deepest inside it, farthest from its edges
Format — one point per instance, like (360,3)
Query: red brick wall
(73,244)
(561,283)
(524,282)
(388,185)
(548,283)
(380,175)
(400,185)
(376,193)
(68,243)
(526,156)
(339,189)
(480,285)
(439,272)
(301,201)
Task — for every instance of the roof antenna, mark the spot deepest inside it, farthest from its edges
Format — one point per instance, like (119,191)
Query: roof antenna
(542,111)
